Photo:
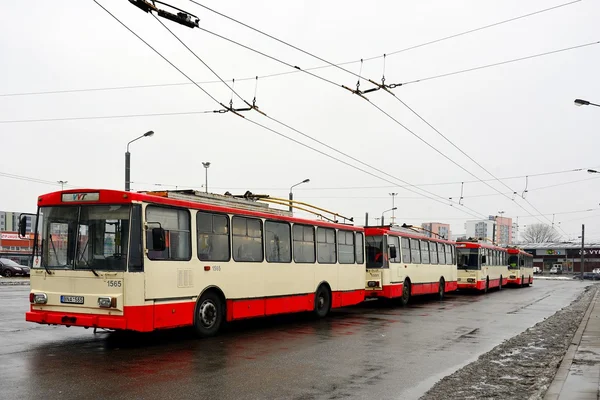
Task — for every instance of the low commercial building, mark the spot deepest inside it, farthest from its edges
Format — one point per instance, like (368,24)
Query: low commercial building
(545,255)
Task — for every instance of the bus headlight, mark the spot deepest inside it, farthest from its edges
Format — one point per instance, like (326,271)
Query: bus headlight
(38,298)
(107,302)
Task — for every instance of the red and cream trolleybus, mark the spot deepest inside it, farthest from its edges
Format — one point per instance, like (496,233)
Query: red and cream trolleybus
(520,266)
(146,261)
(481,266)
(402,263)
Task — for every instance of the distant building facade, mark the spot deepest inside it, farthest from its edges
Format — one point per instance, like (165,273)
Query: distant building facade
(439,229)
(9,221)
(498,228)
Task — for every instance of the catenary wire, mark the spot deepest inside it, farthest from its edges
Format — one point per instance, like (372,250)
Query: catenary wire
(374,105)
(251,121)
(18,121)
(295,130)
(311,68)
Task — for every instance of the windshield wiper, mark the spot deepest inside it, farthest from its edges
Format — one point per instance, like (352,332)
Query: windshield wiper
(86,261)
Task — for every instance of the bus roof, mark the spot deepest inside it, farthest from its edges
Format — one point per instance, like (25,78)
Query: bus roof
(477,245)
(186,199)
(402,232)
(513,250)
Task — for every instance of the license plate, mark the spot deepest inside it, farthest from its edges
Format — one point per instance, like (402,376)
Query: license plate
(71,299)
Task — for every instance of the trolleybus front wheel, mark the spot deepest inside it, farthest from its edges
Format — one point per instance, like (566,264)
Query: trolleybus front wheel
(209,314)
(322,302)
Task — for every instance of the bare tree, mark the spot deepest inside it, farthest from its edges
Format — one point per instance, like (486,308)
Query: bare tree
(540,233)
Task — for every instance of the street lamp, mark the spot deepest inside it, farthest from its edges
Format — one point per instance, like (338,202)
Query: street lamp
(382,218)
(580,102)
(62,184)
(206,165)
(393,206)
(128,160)
(291,196)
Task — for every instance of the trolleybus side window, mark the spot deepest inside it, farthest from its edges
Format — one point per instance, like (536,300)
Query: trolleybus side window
(433,252)
(360,248)
(424,252)
(176,224)
(247,239)
(394,241)
(415,252)
(304,244)
(441,253)
(212,236)
(326,245)
(405,250)
(136,260)
(278,244)
(346,247)
(449,254)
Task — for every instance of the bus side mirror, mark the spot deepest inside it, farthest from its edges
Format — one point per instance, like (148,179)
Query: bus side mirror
(22,226)
(484,259)
(158,239)
(393,252)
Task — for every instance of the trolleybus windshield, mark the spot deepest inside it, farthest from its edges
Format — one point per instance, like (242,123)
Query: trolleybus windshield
(376,257)
(513,261)
(468,258)
(85,237)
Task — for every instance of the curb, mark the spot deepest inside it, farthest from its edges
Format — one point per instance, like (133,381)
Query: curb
(562,373)
(15,283)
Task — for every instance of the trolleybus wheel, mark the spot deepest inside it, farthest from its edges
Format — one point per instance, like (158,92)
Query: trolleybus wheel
(405,293)
(487,285)
(442,289)
(322,302)
(209,314)
(500,284)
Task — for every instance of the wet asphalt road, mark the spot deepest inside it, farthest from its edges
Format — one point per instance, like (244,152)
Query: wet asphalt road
(372,351)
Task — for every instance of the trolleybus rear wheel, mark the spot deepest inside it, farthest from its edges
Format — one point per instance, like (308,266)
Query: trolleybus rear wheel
(405,293)
(322,302)
(442,289)
(209,314)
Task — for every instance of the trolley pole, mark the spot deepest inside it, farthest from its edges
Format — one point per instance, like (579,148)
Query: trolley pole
(582,257)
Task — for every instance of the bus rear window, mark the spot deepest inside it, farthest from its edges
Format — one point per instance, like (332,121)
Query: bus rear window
(375,252)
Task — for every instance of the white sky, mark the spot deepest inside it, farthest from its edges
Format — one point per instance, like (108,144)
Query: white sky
(516,119)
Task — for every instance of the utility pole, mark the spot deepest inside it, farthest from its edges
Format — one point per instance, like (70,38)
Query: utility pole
(582,257)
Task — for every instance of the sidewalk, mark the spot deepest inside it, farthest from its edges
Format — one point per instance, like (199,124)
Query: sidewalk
(578,376)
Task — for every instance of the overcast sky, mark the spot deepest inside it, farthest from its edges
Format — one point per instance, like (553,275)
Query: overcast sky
(516,119)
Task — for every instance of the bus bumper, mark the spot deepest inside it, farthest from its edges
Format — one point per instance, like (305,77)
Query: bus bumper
(386,292)
(76,319)
(479,285)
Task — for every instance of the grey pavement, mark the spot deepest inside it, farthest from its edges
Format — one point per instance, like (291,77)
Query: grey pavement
(372,351)
(578,376)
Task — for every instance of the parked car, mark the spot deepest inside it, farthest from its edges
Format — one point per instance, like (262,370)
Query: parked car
(537,271)
(588,275)
(596,271)
(10,268)
(556,270)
